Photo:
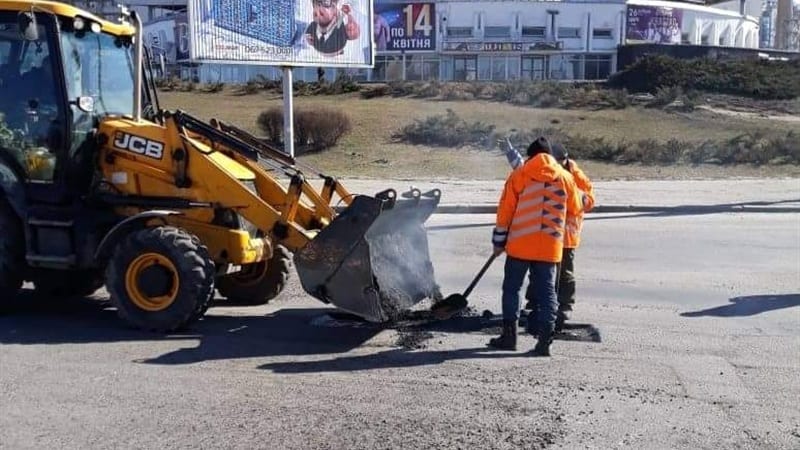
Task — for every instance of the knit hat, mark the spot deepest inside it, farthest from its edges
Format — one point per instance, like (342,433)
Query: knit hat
(540,145)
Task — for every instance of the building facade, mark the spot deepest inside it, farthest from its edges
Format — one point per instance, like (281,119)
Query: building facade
(494,40)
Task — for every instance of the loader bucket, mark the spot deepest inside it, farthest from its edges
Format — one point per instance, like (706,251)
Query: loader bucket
(373,260)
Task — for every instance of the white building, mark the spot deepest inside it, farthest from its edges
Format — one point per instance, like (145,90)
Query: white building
(519,39)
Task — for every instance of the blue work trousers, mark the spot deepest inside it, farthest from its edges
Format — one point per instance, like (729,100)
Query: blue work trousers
(543,283)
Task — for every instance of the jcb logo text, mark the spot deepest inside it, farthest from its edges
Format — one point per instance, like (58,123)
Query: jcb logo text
(139,145)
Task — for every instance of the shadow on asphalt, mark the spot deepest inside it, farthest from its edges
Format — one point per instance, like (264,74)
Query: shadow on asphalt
(698,210)
(459,226)
(749,306)
(31,320)
(396,358)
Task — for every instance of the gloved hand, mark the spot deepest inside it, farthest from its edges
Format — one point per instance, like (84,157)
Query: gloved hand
(513,156)
(499,237)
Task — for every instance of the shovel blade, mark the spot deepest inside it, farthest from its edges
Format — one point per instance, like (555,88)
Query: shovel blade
(450,306)
(373,259)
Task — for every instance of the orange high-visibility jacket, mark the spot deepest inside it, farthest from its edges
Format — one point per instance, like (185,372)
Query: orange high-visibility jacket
(533,208)
(575,221)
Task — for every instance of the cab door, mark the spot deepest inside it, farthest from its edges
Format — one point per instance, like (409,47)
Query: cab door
(33,115)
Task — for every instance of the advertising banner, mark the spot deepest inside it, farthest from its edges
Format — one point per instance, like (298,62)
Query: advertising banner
(405,27)
(167,38)
(182,37)
(331,33)
(654,24)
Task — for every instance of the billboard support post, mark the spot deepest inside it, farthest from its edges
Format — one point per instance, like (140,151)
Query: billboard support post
(288,112)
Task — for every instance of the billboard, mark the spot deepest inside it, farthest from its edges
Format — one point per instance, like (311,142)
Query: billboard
(654,24)
(331,33)
(405,27)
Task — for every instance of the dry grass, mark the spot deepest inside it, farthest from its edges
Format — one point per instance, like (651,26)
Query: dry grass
(368,150)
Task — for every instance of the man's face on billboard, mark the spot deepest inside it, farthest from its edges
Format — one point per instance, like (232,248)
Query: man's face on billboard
(324,12)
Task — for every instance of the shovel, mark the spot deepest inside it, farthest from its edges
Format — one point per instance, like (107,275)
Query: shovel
(454,303)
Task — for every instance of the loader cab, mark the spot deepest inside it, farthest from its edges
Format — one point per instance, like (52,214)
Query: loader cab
(32,117)
(59,77)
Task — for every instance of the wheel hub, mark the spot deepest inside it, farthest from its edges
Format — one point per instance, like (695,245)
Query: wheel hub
(152,282)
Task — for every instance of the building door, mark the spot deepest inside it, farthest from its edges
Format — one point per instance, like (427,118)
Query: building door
(534,67)
(465,68)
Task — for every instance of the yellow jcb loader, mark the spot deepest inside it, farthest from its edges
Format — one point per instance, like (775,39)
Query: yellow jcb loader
(100,186)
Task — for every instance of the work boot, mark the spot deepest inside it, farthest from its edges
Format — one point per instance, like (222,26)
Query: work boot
(507,340)
(542,347)
(565,310)
(530,305)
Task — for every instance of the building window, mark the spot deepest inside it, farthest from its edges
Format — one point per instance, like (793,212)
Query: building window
(602,33)
(596,67)
(566,67)
(499,68)
(534,67)
(388,68)
(497,32)
(422,67)
(484,68)
(465,68)
(513,67)
(534,32)
(459,32)
(569,33)
(704,39)
(685,38)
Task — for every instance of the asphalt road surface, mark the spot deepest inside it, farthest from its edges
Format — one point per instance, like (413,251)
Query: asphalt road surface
(686,335)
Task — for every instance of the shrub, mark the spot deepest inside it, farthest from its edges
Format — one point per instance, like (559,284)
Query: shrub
(320,129)
(428,90)
(344,84)
(772,80)
(456,92)
(616,98)
(249,88)
(271,124)
(212,87)
(314,129)
(752,148)
(447,130)
(377,91)
(665,96)
(690,100)
(168,84)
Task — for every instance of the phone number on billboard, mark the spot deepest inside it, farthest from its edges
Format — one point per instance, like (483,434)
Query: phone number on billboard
(282,51)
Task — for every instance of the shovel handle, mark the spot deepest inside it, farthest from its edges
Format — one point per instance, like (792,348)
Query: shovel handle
(480,275)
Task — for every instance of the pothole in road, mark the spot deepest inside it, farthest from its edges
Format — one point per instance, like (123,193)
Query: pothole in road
(414,328)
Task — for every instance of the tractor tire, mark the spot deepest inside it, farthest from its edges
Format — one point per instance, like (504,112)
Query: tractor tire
(258,283)
(211,273)
(12,253)
(160,279)
(67,283)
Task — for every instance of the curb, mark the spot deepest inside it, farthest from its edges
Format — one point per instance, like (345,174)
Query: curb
(696,209)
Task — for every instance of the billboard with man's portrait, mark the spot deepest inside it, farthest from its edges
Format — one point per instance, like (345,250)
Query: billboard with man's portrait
(654,24)
(330,33)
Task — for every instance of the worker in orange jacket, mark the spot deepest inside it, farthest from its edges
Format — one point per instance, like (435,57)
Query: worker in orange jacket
(566,278)
(530,227)
(572,239)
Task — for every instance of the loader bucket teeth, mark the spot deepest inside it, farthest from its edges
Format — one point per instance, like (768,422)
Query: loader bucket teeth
(373,259)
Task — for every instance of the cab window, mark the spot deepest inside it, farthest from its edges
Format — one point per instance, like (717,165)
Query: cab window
(31,116)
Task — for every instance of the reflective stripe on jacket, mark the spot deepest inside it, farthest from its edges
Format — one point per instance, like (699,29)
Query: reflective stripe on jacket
(532,211)
(575,221)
